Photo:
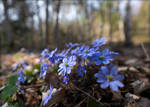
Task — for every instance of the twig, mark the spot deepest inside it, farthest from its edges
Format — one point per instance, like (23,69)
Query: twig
(78,105)
(146,54)
(31,86)
(2,88)
(103,104)
(88,95)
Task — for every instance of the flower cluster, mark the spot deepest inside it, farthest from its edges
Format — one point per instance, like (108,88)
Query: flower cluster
(77,58)
(21,76)
(20,67)
(79,55)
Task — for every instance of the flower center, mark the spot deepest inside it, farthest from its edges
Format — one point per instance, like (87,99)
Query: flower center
(66,65)
(109,78)
(65,78)
(102,57)
(99,42)
(86,51)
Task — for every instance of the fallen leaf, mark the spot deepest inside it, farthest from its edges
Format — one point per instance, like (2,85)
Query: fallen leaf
(139,86)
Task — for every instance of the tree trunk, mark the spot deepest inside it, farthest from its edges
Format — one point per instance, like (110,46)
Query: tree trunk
(109,19)
(47,24)
(7,26)
(40,26)
(149,18)
(127,24)
(102,21)
(56,28)
(120,23)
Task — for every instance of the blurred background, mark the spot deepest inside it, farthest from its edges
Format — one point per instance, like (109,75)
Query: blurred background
(39,24)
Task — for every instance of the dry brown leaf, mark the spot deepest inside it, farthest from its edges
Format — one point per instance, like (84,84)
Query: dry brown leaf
(117,96)
(139,86)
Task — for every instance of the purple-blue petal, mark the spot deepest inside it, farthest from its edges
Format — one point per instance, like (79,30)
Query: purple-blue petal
(104,85)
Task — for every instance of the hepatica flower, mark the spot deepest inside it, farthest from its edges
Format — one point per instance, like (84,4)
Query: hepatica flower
(21,64)
(103,57)
(99,42)
(108,76)
(65,79)
(67,63)
(62,54)
(44,54)
(47,98)
(86,52)
(76,51)
(51,56)
(81,70)
(44,68)
(21,76)
(71,45)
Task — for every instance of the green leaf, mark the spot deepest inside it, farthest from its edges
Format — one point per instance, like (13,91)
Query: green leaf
(28,72)
(93,103)
(37,66)
(13,104)
(18,57)
(10,89)
(12,80)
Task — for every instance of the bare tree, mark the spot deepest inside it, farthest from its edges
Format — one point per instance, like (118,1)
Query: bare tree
(149,18)
(109,19)
(120,22)
(56,28)
(7,27)
(127,24)
(47,24)
(102,18)
(40,21)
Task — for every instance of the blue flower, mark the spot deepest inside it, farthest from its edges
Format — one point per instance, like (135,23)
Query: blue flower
(71,45)
(81,70)
(51,56)
(44,54)
(44,68)
(65,66)
(86,52)
(108,76)
(65,79)
(76,51)
(47,98)
(21,64)
(103,57)
(52,53)
(114,53)
(63,54)
(21,76)
(99,42)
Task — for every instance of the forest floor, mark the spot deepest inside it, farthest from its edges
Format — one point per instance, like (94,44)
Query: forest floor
(132,61)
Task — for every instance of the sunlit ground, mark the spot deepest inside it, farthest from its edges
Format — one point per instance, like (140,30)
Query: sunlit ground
(139,38)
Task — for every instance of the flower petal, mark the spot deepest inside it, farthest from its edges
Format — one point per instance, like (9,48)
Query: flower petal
(113,86)
(104,70)
(105,85)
